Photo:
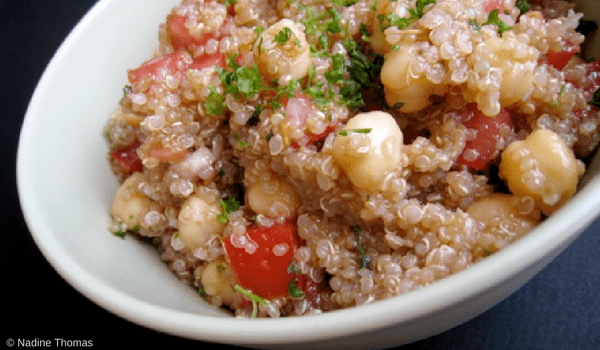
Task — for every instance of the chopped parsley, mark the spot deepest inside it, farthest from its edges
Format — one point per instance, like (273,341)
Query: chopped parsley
(363,72)
(292,267)
(365,262)
(215,102)
(228,206)
(523,6)
(317,23)
(283,36)
(494,18)
(240,81)
(364,32)
(127,90)
(344,3)
(228,3)
(393,20)
(294,291)
(253,298)
(398,105)
(595,101)
(120,233)
(359,131)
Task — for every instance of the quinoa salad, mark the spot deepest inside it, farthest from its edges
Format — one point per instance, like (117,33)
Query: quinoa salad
(290,157)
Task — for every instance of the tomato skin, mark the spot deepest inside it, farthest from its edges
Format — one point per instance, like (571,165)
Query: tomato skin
(591,82)
(298,108)
(312,290)
(128,158)
(493,5)
(210,60)
(263,272)
(560,59)
(155,69)
(180,36)
(488,134)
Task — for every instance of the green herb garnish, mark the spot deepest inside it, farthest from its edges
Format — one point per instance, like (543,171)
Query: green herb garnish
(215,102)
(240,81)
(344,3)
(393,20)
(365,262)
(294,291)
(120,233)
(228,206)
(283,36)
(253,298)
(523,6)
(494,18)
(358,131)
(292,267)
(595,101)
(228,3)
(398,105)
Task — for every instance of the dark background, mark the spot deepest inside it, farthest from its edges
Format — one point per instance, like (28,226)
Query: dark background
(558,309)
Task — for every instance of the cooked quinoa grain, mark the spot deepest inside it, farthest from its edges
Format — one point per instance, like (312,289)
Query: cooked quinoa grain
(295,157)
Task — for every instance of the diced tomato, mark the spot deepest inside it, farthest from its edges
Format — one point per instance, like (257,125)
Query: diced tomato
(166,155)
(560,59)
(312,290)
(156,69)
(264,271)
(493,5)
(314,138)
(206,60)
(180,36)
(298,109)
(479,151)
(591,82)
(128,158)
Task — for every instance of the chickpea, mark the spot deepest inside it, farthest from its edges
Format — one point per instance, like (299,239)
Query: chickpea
(282,51)
(129,204)
(542,167)
(500,209)
(367,156)
(503,69)
(216,280)
(379,43)
(197,221)
(403,87)
(273,197)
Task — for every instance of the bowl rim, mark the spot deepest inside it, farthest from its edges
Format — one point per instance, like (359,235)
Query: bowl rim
(551,236)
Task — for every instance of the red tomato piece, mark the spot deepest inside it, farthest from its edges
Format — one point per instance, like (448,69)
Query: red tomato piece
(493,5)
(479,151)
(180,36)
(156,69)
(298,108)
(313,138)
(312,290)
(128,158)
(264,271)
(206,60)
(591,82)
(560,59)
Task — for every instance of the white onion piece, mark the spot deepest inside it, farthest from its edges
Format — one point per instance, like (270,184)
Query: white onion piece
(200,163)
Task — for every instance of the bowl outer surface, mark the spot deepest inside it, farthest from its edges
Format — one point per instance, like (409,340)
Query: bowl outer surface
(66,188)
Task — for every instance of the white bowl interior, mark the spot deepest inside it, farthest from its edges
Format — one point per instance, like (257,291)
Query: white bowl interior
(66,188)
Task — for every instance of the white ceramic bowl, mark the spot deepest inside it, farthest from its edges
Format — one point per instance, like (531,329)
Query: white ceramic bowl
(66,188)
